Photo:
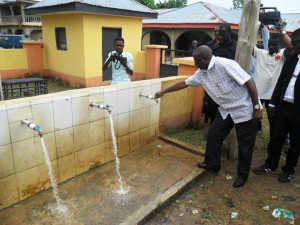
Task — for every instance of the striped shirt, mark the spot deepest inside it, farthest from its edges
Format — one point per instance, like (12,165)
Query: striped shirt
(224,82)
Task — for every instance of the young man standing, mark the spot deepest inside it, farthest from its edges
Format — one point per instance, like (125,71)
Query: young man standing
(121,62)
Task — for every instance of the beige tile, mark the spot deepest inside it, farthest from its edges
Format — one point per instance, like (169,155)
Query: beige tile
(145,117)
(66,167)
(17,114)
(4,129)
(154,114)
(82,137)
(154,132)
(7,166)
(123,145)
(135,120)
(64,142)
(123,124)
(108,151)
(146,89)
(97,130)
(96,113)
(49,140)
(42,114)
(135,99)
(107,134)
(111,98)
(62,114)
(80,109)
(88,159)
(9,194)
(123,100)
(134,141)
(24,153)
(20,131)
(144,137)
(43,174)
(28,183)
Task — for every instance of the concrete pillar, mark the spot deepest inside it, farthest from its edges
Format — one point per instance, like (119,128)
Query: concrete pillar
(34,55)
(153,60)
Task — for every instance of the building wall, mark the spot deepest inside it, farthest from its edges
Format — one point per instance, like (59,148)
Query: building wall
(13,63)
(77,136)
(81,64)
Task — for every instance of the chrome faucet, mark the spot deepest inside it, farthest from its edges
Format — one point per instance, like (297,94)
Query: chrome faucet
(33,126)
(101,106)
(148,96)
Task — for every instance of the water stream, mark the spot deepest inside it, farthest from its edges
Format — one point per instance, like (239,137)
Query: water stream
(115,150)
(60,207)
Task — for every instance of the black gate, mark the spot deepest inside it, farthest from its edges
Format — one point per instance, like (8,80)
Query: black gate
(167,67)
(108,37)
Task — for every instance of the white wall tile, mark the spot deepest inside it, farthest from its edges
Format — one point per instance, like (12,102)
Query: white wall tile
(80,110)
(123,100)
(42,114)
(62,114)
(4,129)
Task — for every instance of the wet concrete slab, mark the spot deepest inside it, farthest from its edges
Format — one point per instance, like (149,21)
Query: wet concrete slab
(153,175)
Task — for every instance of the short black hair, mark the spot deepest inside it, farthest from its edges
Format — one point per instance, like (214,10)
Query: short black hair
(296,32)
(225,26)
(119,39)
(276,37)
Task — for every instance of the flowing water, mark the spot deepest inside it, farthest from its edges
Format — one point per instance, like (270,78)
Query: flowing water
(60,207)
(115,150)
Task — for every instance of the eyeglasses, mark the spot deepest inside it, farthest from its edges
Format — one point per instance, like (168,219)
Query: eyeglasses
(199,59)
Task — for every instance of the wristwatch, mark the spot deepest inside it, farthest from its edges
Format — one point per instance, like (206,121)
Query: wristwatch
(256,106)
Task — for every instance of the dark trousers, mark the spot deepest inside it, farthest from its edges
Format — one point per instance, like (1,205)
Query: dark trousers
(284,122)
(246,134)
(266,103)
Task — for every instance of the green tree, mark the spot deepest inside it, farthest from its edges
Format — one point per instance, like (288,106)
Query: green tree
(149,3)
(237,4)
(171,4)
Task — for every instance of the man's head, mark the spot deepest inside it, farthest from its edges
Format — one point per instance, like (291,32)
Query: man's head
(194,44)
(224,33)
(202,56)
(217,33)
(119,45)
(260,44)
(295,40)
(274,43)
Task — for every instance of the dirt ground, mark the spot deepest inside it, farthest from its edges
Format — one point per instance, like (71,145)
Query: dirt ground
(212,199)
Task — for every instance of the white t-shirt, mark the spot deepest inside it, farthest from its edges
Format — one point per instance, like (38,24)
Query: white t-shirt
(267,71)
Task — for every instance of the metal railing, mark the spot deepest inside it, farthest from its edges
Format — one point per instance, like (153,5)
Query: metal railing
(19,19)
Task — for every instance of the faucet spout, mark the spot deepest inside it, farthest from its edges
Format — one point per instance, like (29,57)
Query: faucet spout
(101,106)
(148,96)
(33,126)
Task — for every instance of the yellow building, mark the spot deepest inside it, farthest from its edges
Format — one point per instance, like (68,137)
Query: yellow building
(78,36)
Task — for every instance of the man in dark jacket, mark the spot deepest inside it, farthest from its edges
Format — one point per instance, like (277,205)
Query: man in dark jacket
(284,109)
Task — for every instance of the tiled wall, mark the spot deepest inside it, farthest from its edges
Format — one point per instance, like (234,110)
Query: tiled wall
(77,136)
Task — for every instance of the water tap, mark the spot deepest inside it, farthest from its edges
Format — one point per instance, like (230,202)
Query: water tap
(101,106)
(148,96)
(32,126)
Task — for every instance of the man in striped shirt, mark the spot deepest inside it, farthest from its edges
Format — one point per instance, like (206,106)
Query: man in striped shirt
(235,93)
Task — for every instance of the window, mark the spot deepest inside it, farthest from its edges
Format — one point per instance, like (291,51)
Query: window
(61,38)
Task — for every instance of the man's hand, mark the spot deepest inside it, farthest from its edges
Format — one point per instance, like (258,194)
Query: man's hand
(271,111)
(159,94)
(257,115)
(123,61)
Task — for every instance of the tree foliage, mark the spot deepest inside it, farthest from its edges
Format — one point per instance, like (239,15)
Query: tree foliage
(237,4)
(166,4)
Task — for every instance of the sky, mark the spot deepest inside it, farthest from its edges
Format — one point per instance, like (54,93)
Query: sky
(284,6)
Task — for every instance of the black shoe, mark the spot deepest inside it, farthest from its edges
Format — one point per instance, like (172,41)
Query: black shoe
(263,169)
(286,177)
(239,182)
(203,165)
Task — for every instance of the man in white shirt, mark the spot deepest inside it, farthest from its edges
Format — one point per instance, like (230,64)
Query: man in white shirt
(284,110)
(235,93)
(121,63)
(268,66)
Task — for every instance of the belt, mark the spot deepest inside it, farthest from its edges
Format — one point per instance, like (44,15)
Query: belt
(288,105)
